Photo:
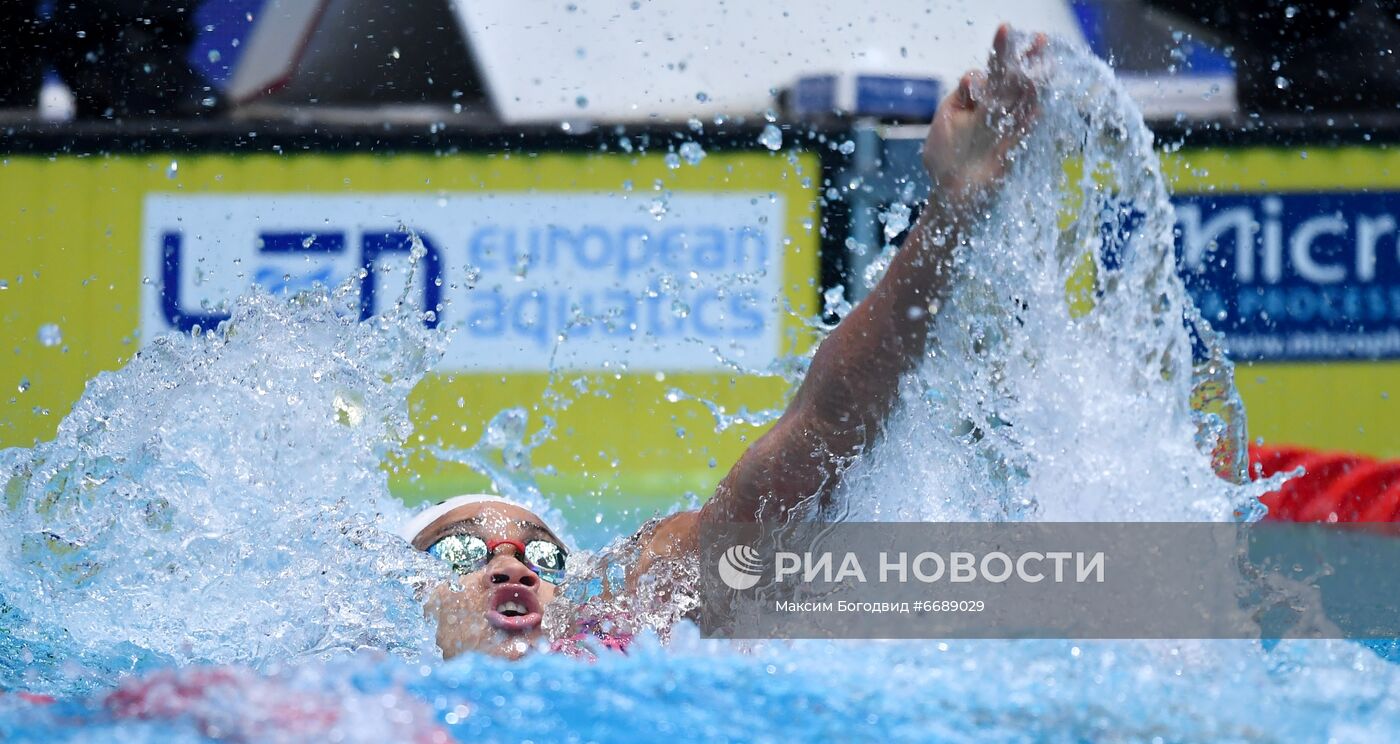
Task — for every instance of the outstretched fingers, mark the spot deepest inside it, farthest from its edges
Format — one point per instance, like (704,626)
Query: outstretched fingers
(1028,101)
(1001,51)
(1037,47)
(1012,87)
(1017,96)
(971,89)
(1007,73)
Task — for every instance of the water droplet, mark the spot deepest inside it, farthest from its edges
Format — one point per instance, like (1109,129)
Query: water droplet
(673,161)
(4,285)
(847,147)
(1281,82)
(658,208)
(702,96)
(692,152)
(834,302)
(581,102)
(172,170)
(667,284)
(771,138)
(679,308)
(23,384)
(214,56)
(50,334)
(896,220)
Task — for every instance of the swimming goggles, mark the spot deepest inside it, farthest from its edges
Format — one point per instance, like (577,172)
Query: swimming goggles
(468,553)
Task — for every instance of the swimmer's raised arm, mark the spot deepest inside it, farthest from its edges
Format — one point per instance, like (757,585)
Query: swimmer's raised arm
(853,381)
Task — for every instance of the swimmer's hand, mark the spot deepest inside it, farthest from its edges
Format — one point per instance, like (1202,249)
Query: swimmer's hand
(977,128)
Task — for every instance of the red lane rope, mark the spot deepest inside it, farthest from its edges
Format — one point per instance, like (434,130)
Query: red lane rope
(1337,487)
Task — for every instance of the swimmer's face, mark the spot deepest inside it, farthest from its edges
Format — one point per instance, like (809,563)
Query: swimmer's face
(497,608)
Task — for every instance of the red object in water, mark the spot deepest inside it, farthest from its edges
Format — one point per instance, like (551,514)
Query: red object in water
(1336,487)
(236,704)
(30,697)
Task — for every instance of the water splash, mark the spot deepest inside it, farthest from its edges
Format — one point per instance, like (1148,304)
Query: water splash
(503,454)
(723,418)
(1037,404)
(219,499)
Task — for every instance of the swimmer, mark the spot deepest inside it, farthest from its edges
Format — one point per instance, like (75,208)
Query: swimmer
(511,562)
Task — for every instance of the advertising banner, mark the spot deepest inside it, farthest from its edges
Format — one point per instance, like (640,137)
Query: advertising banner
(619,304)
(1296,276)
(512,275)
(1294,253)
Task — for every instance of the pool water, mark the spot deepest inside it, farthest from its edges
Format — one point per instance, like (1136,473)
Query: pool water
(203,551)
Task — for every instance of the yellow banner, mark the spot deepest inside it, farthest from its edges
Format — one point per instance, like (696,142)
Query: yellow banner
(79,273)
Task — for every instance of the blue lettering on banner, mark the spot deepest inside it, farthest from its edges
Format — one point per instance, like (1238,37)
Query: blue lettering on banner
(375,244)
(526,281)
(541,315)
(622,251)
(599,255)
(1295,276)
(301,242)
(278,281)
(170,305)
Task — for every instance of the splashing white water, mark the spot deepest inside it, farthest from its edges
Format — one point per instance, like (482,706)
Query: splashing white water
(1031,406)
(221,497)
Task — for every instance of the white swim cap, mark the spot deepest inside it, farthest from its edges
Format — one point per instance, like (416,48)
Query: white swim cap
(422,519)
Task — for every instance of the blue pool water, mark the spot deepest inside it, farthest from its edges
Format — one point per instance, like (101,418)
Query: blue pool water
(693,690)
(202,553)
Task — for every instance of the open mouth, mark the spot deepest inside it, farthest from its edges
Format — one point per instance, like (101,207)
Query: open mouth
(514,610)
